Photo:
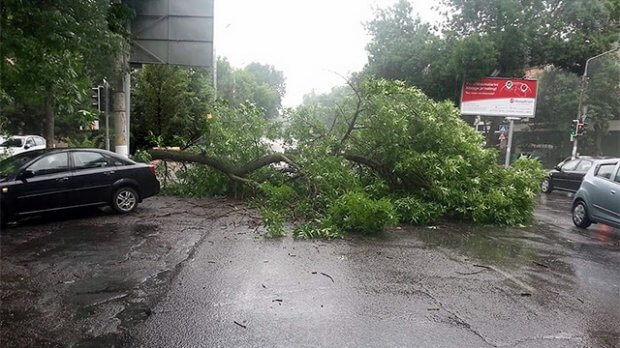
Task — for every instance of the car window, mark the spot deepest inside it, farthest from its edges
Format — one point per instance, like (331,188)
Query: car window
(54,163)
(87,160)
(584,166)
(13,142)
(617,179)
(39,141)
(570,165)
(605,170)
(12,164)
(30,142)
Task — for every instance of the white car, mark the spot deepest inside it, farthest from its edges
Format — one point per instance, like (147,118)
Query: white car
(18,144)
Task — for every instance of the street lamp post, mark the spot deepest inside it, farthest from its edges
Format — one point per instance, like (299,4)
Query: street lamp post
(582,109)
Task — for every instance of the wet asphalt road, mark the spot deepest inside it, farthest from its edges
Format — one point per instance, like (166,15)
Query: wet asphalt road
(186,273)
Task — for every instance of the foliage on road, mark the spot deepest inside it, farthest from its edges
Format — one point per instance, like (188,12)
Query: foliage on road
(388,154)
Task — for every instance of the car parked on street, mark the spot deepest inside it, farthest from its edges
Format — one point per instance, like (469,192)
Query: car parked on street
(598,198)
(18,144)
(568,174)
(55,179)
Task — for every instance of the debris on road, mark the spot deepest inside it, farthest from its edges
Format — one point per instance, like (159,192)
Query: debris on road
(239,324)
(540,264)
(328,276)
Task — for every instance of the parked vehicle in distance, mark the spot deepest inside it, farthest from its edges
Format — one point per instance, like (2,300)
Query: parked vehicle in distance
(568,174)
(48,180)
(598,198)
(22,143)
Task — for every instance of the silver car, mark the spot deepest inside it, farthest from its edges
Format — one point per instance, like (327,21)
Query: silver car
(598,198)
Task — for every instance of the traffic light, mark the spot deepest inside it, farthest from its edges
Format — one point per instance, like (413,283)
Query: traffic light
(96,98)
(581,128)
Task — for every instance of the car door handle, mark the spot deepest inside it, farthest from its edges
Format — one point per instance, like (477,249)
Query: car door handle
(63,179)
(613,192)
(110,172)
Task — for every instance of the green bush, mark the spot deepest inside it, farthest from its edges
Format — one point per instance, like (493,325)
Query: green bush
(412,210)
(356,212)
(277,197)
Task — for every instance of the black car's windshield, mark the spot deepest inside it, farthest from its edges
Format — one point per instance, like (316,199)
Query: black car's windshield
(13,142)
(12,164)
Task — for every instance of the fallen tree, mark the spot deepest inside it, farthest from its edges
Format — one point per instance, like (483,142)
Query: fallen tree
(384,149)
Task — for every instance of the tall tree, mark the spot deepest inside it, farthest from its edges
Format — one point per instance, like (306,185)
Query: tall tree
(52,51)
(171,104)
(481,37)
(259,84)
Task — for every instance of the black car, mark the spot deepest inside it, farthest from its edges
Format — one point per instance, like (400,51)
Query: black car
(55,179)
(568,174)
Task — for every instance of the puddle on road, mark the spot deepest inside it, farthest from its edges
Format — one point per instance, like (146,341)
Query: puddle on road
(510,247)
(71,238)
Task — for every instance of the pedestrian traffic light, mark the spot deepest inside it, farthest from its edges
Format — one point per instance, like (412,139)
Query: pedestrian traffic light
(96,98)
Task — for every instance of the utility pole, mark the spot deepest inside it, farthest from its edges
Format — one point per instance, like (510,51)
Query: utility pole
(583,109)
(121,100)
(120,110)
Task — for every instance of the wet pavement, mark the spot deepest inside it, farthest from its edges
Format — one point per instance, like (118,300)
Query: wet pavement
(188,273)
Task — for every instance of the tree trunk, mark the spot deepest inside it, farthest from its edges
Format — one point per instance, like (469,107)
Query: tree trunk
(49,119)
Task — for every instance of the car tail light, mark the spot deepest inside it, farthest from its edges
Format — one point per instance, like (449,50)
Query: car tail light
(152,168)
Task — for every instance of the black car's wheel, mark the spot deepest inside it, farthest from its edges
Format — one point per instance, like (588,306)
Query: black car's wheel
(125,200)
(546,186)
(580,215)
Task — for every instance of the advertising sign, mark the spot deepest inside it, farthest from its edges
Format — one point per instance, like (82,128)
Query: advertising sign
(499,97)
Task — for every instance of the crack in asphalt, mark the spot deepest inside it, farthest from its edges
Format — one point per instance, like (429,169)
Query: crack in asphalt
(454,318)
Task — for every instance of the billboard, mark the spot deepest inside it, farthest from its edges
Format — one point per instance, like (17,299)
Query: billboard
(499,97)
(173,32)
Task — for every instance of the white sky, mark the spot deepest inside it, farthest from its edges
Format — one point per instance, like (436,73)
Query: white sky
(308,40)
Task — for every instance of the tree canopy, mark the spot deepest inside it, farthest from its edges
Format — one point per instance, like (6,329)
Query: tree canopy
(260,84)
(51,54)
(481,37)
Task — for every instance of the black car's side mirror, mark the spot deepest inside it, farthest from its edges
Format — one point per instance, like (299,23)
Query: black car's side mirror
(558,168)
(26,174)
(26,147)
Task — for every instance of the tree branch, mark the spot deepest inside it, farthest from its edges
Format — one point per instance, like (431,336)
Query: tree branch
(234,172)
(387,173)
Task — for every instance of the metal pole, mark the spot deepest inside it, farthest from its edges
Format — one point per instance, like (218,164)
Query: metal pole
(509,146)
(106,112)
(128,106)
(581,114)
(575,144)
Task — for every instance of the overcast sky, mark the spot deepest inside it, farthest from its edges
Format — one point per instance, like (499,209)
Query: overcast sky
(308,40)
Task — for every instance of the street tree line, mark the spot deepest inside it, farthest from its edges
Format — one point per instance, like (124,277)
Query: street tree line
(506,38)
